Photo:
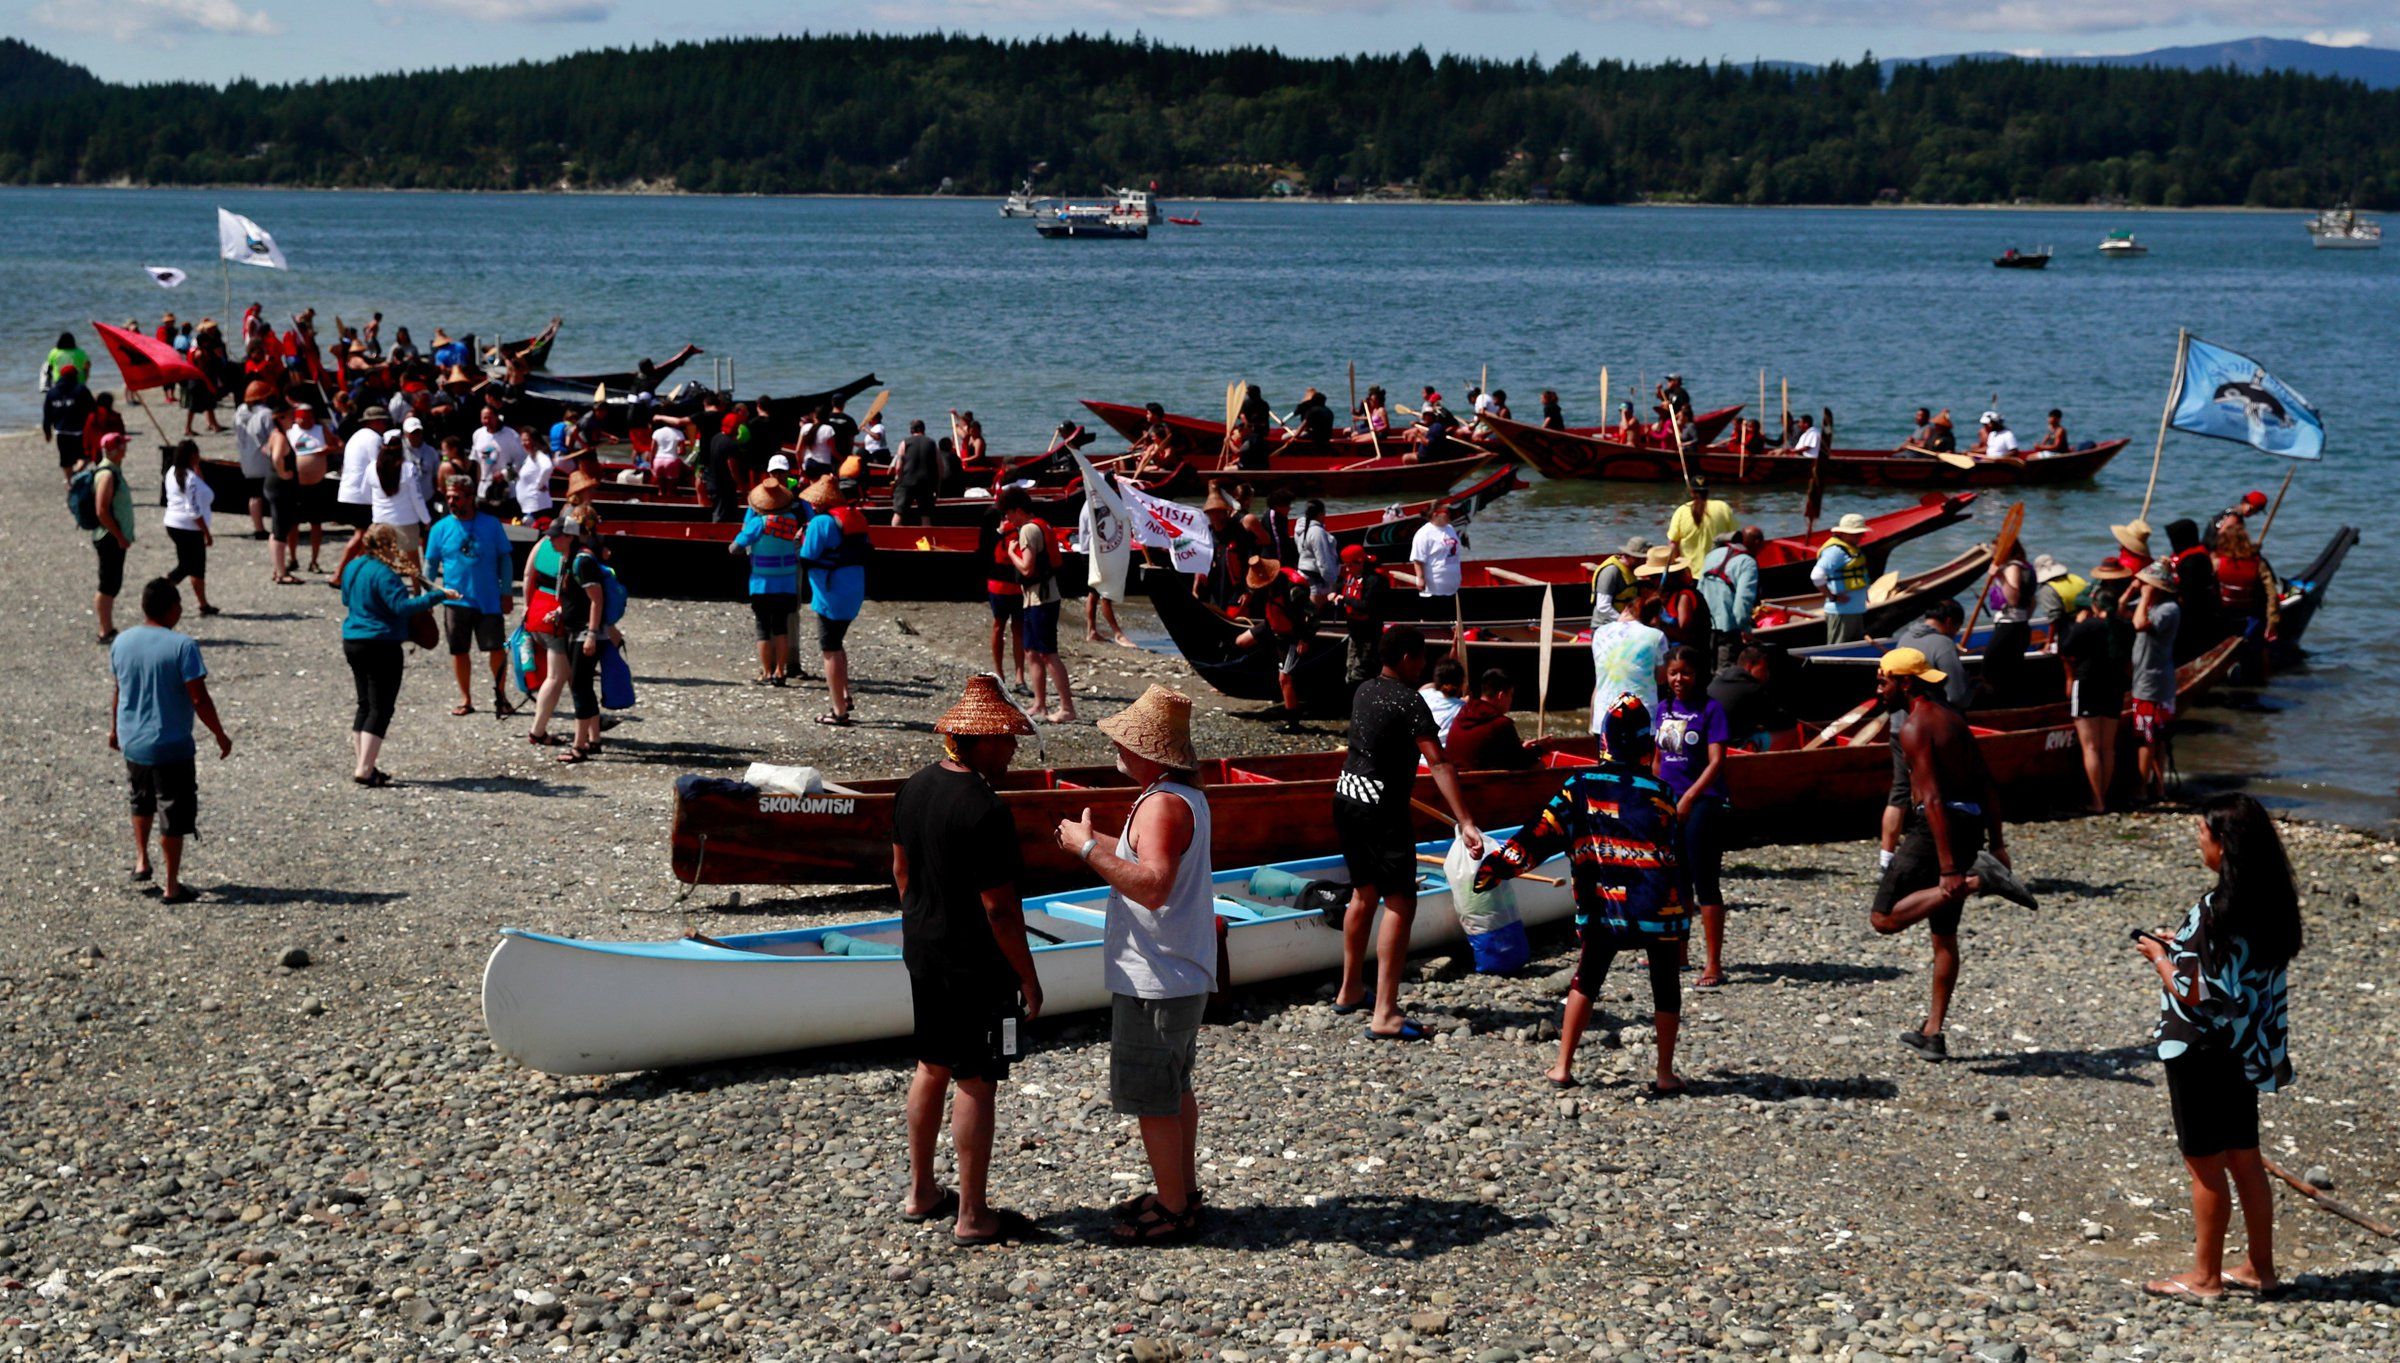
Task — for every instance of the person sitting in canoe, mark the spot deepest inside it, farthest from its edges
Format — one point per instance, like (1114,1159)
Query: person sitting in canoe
(1315,418)
(1616,823)
(1373,415)
(1434,425)
(1553,419)
(1994,440)
(2054,437)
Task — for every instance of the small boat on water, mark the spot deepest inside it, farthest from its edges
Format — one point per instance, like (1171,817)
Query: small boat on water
(1567,454)
(566,1006)
(2342,229)
(1204,437)
(1023,203)
(2014,259)
(1185,222)
(2122,246)
(1129,217)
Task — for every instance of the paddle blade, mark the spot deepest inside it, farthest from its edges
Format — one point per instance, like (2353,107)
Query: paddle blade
(877,409)
(600,395)
(1882,588)
(1549,629)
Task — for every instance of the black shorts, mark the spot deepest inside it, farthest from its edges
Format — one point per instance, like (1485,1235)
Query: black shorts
(283,508)
(772,613)
(171,789)
(1903,794)
(356,515)
(2216,1107)
(1916,866)
(112,564)
(1379,851)
(961,1022)
(1600,948)
(830,633)
(1007,607)
(70,449)
(1700,842)
(1041,628)
(2086,701)
(468,629)
(318,502)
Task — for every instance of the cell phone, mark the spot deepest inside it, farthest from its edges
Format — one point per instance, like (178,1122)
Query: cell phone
(1008,1038)
(2138,934)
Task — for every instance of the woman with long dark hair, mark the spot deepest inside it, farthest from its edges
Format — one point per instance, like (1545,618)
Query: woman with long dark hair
(382,588)
(2221,1031)
(190,519)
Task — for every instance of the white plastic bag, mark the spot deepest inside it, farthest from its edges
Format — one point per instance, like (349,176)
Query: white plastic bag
(1478,914)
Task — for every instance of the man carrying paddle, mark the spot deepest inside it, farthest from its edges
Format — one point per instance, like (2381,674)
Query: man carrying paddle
(1699,523)
(1942,856)
(1390,728)
(971,976)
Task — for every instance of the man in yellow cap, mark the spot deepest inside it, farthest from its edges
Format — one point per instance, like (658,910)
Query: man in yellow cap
(971,977)
(1942,857)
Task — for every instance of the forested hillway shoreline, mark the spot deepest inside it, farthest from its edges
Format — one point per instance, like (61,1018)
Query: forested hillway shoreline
(867,114)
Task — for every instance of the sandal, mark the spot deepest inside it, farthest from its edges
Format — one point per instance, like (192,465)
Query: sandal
(834,719)
(1712,980)
(467,708)
(1409,1031)
(945,1205)
(573,755)
(287,580)
(544,740)
(1156,1226)
(2176,1289)
(182,894)
(1013,1226)
(373,780)
(502,709)
(2252,1287)
(1132,1207)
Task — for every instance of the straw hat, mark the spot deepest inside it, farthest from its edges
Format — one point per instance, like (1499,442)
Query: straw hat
(1263,571)
(2111,571)
(2134,535)
(823,493)
(982,712)
(259,391)
(2048,569)
(770,496)
(1850,526)
(1909,662)
(581,482)
(1158,726)
(1660,560)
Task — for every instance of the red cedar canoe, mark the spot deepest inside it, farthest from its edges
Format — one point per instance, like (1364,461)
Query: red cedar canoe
(1566,454)
(1200,437)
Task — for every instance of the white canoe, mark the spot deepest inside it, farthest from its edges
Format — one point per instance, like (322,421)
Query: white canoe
(565,1006)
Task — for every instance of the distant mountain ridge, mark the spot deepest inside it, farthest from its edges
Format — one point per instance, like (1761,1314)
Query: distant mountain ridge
(2377,67)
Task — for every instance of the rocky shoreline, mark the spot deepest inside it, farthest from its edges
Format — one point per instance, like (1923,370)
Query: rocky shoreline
(269,1124)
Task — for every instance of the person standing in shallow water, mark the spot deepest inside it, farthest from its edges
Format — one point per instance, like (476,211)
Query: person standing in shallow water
(2222,1031)
(971,977)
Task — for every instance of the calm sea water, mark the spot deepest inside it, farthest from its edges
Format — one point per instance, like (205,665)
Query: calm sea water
(1870,313)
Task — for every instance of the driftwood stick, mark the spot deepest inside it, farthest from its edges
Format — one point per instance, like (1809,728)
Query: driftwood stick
(2338,1209)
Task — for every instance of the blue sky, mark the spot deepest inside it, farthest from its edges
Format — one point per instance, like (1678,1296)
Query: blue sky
(217,40)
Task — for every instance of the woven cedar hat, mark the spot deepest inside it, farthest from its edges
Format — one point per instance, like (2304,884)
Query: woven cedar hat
(2158,575)
(1263,571)
(1216,500)
(823,493)
(2111,571)
(1157,726)
(982,712)
(581,482)
(770,496)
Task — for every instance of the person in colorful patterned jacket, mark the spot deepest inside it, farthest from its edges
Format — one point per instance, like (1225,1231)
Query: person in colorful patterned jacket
(1616,823)
(2222,1031)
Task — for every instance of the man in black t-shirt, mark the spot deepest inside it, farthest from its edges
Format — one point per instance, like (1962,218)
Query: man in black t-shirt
(916,478)
(1390,727)
(971,976)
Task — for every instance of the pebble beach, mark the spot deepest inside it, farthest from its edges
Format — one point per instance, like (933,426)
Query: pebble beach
(269,1124)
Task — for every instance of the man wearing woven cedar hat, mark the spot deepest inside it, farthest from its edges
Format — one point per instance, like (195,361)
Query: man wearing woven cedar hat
(1160,956)
(955,862)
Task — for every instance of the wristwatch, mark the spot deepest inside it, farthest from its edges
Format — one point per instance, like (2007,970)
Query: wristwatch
(1088,844)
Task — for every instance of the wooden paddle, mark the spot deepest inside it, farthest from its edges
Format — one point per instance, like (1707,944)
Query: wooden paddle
(2010,524)
(1881,589)
(1849,717)
(877,409)
(1541,714)
(1604,400)
(1511,575)
(1374,439)
(1951,457)
(2270,521)
(1233,412)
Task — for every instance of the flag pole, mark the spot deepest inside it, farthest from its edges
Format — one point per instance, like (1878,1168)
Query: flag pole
(2270,521)
(2183,345)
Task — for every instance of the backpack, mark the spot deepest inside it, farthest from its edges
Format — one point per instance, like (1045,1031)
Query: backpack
(82,499)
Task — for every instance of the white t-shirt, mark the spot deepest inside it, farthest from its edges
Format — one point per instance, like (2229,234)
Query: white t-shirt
(188,507)
(2000,444)
(667,443)
(533,483)
(1435,551)
(1445,708)
(1810,444)
(820,446)
(499,451)
(405,507)
(359,454)
(871,439)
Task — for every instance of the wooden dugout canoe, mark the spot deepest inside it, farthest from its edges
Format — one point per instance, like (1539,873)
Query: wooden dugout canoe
(1204,439)
(565,1006)
(1565,454)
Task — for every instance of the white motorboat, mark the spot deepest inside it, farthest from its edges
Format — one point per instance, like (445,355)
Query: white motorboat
(2342,229)
(2122,246)
(1023,204)
(566,1006)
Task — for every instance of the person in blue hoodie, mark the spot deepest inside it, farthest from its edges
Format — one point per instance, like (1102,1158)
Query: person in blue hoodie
(468,552)
(381,588)
(770,535)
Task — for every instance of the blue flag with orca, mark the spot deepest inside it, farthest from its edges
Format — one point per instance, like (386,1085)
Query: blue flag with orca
(2226,395)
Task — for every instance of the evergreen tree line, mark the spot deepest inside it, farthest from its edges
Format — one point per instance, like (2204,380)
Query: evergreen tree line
(915,114)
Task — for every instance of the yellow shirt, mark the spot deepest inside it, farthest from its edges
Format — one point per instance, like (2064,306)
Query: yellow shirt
(1696,540)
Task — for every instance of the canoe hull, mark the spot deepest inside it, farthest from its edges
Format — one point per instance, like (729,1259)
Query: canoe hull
(1567,455)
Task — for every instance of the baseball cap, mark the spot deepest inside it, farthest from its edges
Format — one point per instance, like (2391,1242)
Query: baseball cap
(1909,662)
(779,464)
(412,424)
(1354,553)
(2254,497)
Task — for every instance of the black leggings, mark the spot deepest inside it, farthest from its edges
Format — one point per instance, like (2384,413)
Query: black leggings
(375,669)
(1666,968)
(583,681)
(191,554)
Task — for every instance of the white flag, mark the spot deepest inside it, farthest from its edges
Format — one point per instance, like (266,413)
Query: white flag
(1178,529)
(1106,546)
(246,243)
(165,276)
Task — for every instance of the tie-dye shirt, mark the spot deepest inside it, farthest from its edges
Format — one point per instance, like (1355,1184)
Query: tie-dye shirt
(1617,826)
(2243,1005)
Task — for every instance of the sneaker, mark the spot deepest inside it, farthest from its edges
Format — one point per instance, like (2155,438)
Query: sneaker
(1934,1047)
(1998,879)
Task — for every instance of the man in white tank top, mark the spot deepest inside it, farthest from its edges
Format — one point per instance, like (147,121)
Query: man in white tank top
(1159,954)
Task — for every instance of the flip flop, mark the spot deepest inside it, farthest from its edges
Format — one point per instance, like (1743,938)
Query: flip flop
(1709,982)
(183,895)
(457,710)
(1409,1031)
(1567,1083)
(945,1205)
(1676,1092)
(1012,1226)
(2175,1289)
(141,875)
(2262,1291)
(1343,1010)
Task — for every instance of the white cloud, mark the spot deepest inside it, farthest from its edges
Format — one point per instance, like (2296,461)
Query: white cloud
(2345,37)
(164,21)
(1999,16)
(514,11)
